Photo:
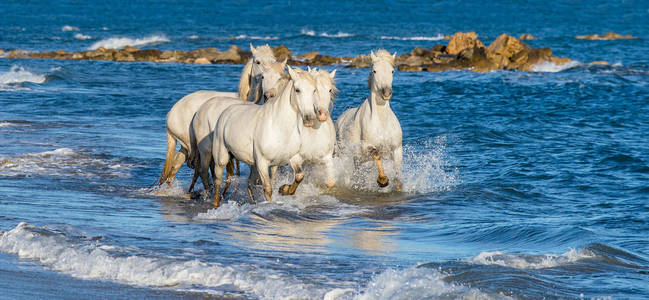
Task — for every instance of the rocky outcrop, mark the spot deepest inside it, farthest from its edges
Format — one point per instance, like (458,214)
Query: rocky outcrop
(526,37)
(463,51)
(606,36)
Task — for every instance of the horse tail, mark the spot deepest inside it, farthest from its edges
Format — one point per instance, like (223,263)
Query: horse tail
(246,81)
(171,151)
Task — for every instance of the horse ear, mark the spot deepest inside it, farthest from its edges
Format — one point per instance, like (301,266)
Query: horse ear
(292,72)
(252,49)
(308,69)
(333,73)
(284,63)
(394,55)
(372,56)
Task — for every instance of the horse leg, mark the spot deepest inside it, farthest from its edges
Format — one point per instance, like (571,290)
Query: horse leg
(204,169)
(178,160)
(238,167)
(298,175)
(329,169)
(273,172)
(397,157)
(382,180)
(191,186)
(229,171)
(262,171)
(218,179)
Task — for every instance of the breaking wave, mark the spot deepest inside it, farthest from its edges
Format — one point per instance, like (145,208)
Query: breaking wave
(69,28)
(339,34)
(121,42)
(551,67)
(80,36)
(62,162)
(17,75)
(522,261)
(414,38)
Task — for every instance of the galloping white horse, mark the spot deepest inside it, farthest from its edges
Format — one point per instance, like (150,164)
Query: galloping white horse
(180,115)
(266,135)
(208,114)
(373,129)
(319,140)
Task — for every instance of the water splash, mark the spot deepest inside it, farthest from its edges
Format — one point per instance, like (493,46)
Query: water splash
(121,42)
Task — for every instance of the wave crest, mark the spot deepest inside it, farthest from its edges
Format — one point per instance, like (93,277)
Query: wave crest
(121,42)
(522,261)
(414,38)
(339,34)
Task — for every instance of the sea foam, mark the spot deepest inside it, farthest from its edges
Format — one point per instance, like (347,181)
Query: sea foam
(121,42)
(522,261)
(80,36)
(18,74)
(551,67)
(94,260)
(414,38)
(339,34)
(69,28)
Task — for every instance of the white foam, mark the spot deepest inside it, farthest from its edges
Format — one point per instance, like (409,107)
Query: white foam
(425,169)
(18,74)
(80,36)
(522,261)
(121,42)
(254,37)
(414,283)
(92,260)
(414,38)
(193,37)
(63,162)
(339,34)
(69,28)
(553,68)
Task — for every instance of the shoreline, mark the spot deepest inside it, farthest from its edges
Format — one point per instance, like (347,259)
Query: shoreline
(464,51)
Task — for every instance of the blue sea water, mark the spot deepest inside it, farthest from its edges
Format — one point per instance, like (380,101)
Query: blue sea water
(522,185)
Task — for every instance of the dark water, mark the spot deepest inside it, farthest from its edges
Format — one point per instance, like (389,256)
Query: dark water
(523,185)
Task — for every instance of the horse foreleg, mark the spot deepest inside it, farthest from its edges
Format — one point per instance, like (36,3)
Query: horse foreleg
(383,179)
(397,157)
(262,171)
(238,167)
(191,186)
(298,175)
(329,169)
(178,160)
(229,171)
(218,179)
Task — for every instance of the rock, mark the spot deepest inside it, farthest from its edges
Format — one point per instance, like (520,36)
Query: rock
(323,60)
(600,62)
(281,53)
(503,49)
(560,60)
(446,37)
(444,58)
(475,57)
(2,52)
(202,61)
(606,36)
(18,53)
(463,40)
(439,49)
(146,55)
(414,61)
(418,51)
(210,54)
(361,61)
(526,36)
(309,55)
(123,56)
(231,56)
(130,49)
(438,67)
(525,60)
(401,59)
(411,68)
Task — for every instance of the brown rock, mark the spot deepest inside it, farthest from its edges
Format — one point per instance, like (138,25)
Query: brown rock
(18,53)
(401,59)
(606,36)
(503,49)
(322,60)
(130,49)
(2,52)
(418,51)
(411,68)
(463,40)
(202,61)
(146,55)
(439,67)
(281,53)
(447,37)
(560,60)
(526,36)
(361,61)
(61,52)
(310,55)
(439,48)
(475,57)
(600,62)
(231,56)
(444,58)
(123,56)
(414,61)
(171,56)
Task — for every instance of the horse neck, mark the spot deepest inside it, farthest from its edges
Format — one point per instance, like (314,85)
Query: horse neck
(378,106)
(285,115)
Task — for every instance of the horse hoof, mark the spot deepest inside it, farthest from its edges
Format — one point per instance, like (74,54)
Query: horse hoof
(284,189)
(383,182)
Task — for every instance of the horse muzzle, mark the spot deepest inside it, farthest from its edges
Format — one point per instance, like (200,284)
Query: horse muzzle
(308,120)
(386,93)
(323,114)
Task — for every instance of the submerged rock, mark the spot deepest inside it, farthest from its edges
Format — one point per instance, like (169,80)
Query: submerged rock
(600,62)
(526,36)
(202,61)
(606,36)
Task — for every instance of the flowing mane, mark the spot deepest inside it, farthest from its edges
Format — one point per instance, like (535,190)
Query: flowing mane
(382,55)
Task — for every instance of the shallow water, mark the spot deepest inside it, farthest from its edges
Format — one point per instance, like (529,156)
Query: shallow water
(522,185)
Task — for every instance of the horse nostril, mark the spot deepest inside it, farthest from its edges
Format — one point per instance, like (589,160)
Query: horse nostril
(322,115)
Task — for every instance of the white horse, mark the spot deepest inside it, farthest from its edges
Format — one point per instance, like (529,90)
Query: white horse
(205,119)
(180,115)
(319,140)
(266,135)
(373,129)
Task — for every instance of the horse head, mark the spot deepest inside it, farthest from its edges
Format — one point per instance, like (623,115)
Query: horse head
(381,73)
(303,95)
(325,90)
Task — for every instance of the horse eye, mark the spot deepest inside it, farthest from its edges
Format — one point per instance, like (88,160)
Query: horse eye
(262,76)
(258,62)
(297,90)
(330,91)
(374,71)
(392,71)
